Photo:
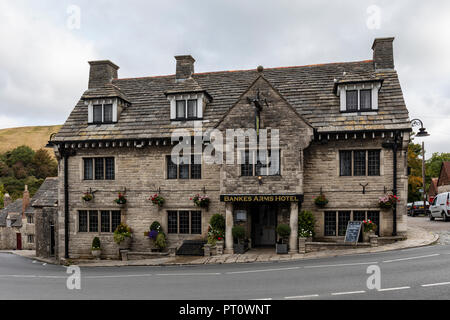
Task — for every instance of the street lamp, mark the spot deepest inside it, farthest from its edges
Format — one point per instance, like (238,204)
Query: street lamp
(421,134)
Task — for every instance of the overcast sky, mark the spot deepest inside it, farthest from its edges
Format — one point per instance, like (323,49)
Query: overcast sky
(45,46)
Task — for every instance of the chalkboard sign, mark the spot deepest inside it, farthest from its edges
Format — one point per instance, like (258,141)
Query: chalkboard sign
(353,230)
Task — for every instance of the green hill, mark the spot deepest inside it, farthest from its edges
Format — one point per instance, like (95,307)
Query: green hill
(34,137)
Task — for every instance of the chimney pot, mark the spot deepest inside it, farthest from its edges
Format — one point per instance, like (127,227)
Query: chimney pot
(383,53)
(25,200)
(101,72)
(185,67)
(6,200)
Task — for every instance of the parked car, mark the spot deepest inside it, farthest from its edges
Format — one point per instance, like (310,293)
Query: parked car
(418,208)
(440,208)
(408,208)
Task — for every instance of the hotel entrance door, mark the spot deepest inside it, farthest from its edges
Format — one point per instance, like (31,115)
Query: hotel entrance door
(264,222)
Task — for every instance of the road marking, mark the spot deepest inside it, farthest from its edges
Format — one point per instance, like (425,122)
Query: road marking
(411,258)
(187,274)
(119,276)
(341,265)
(392,289)
(349,292)
(263,270)
(30,276)
(435,284)
(262,299)
(303,297)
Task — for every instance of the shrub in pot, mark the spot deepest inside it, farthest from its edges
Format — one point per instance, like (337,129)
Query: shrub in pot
(369,228)
(306,223)
(283,231)
(216,229)
(122,236)
(96,248)
(239,237)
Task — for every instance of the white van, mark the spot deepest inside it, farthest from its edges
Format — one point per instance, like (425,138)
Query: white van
(440,208)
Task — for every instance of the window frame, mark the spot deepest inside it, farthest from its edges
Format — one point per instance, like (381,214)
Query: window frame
(93,176)
(102,106)
(189,168)
(352,168)
(112,216)
(186,116)
(177,222)
(339,230)
(255,165)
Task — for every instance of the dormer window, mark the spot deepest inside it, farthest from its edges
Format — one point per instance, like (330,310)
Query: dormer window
(103,113)
(186,109)
(358,97)
(187,106)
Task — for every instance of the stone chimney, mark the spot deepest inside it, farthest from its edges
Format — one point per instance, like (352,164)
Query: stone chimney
(101,73)
(383,54)
(25,201)
(185,67)
(6,200)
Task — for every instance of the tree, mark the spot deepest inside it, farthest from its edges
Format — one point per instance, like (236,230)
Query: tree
(415,175)
(433,165)
(2,196)
(43,165)
(22,154)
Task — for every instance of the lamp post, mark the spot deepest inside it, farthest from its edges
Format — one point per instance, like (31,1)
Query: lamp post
(422,133)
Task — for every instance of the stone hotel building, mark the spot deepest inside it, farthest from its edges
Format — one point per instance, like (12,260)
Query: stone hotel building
(343,132)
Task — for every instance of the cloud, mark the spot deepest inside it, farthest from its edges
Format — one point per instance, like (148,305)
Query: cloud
(43,68)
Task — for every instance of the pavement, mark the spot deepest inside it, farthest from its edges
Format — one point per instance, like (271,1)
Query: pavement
(419,234)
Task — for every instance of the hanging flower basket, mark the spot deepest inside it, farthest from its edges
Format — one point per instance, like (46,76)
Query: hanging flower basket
(201,201)
(87,196)
(321,200)
(157,200)
(121,199)
(388,201)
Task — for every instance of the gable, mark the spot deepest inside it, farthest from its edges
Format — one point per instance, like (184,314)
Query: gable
(276,113)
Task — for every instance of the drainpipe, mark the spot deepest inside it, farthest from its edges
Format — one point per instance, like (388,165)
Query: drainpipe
(66,204)
(394,146)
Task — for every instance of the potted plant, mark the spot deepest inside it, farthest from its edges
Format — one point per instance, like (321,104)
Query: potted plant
(216,230)
(368,229)
(157,200)
(153,234)
(87,196)
(201,201)
(160,241)
(122,236)
(321,200)
(238,233)
(306,223)
(121,199)
(387,201)
(283,231)
(96,248)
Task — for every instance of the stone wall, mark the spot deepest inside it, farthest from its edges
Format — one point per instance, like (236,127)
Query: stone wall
(8,238)
(44,218)
(141,172)
(345,192)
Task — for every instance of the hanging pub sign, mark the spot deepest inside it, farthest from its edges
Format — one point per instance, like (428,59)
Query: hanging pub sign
(261,197)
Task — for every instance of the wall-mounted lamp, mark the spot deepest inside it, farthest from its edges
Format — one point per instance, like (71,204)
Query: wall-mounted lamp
(260,180)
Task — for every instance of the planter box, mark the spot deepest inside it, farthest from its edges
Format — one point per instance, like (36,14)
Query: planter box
(96,254)
(281,248)
(125,244)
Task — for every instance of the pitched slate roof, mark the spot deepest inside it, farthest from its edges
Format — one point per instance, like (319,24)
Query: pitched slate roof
(47,195)
(310,89)
(444,174)
(15,211)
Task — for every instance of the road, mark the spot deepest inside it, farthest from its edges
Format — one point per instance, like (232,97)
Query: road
(417,273)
